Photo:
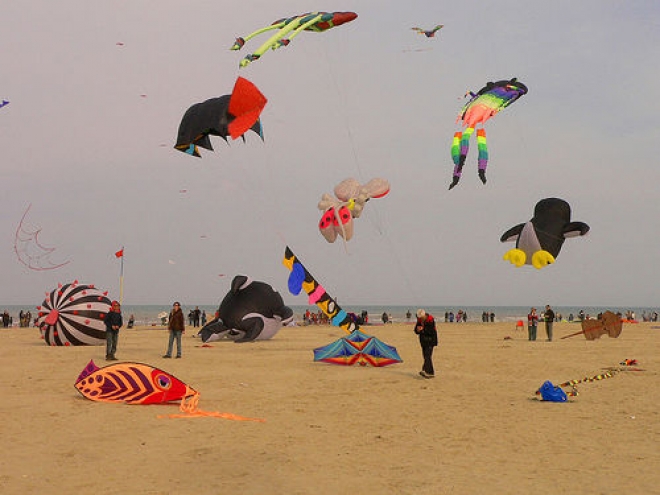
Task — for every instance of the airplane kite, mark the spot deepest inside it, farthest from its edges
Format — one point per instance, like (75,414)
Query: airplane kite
(30,251)
(229,115)
(539,241)
(338,213)
(137,383)
(73,315)
(288,28)
(483,105)
(430,33)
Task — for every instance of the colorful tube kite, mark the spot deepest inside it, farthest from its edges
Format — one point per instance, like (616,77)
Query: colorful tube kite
(490,99)
(288,28)
(229,115)
(301,279)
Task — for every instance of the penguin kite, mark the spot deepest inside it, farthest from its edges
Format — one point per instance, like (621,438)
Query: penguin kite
(539,241)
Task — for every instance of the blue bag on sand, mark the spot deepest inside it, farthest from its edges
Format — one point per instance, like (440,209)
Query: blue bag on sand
(551,393)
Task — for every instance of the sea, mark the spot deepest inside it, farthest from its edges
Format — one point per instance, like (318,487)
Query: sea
(149,314)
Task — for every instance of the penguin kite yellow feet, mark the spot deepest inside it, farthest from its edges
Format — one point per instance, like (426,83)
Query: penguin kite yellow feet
(541,259)
(515,256)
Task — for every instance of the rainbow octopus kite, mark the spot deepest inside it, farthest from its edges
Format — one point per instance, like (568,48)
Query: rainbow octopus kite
(338,213)
(483,105)
(312,21)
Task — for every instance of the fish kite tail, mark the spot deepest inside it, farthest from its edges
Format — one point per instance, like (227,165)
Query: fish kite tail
(482,158)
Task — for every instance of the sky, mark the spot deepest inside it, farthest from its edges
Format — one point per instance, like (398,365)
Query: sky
(97,91)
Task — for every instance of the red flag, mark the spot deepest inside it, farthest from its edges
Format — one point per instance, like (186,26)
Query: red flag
(119,253)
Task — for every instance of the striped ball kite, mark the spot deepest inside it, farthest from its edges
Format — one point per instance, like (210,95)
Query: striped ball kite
(490,99)
(73,314)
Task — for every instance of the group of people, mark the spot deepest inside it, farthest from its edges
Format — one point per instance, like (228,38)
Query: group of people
(196,317)
(461,316)
(114,321)
(533,322)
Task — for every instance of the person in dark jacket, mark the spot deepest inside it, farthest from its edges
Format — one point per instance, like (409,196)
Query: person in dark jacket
(113,322)
(176,326)
(549,318)
(428,339)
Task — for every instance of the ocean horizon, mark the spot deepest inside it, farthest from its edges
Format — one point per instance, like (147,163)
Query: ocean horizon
(148,314)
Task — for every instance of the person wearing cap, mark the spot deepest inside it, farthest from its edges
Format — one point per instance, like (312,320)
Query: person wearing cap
(428,339)
(176,326)
(113,322)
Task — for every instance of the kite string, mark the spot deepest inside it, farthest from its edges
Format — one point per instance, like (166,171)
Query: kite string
(377,222)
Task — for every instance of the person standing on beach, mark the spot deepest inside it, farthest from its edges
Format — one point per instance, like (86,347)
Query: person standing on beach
(113,322)
(532,324)
(428,339)
(176,326)
(549,318)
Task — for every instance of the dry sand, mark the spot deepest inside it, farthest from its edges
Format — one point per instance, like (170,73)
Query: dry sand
(476,428)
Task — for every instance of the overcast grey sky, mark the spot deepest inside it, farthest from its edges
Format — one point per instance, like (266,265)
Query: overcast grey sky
(368,99)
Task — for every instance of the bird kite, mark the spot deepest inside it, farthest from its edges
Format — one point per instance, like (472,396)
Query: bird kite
(358,348)
(137,383)
(430,33)
(30,251)
(229,115)
(339,212)
(539,241)
(608,324)
(288,28)
(483,105)
(250,311)
(73,314)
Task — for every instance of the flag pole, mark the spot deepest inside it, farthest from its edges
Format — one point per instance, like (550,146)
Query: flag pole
(121,278)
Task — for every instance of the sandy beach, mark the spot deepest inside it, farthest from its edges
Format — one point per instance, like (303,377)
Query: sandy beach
(476,428)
